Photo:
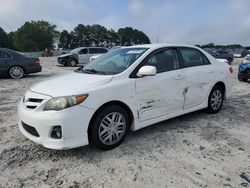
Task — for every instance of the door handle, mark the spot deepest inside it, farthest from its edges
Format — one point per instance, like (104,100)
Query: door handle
(179,77)
(210,71)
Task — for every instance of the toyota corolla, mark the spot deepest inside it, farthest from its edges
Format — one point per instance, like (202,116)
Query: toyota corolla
(127,89)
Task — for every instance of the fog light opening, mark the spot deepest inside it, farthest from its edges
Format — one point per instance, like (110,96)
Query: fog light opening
(56,132)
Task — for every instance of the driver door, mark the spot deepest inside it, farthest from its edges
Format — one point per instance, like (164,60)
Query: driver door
(161,94)
(83,56)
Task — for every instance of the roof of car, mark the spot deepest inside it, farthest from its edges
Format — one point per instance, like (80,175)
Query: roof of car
(7,50)
(153,46)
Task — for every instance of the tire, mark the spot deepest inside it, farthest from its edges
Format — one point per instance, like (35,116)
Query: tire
(72,62)
(215,100)
(16,72)
(242,79)
(113,119)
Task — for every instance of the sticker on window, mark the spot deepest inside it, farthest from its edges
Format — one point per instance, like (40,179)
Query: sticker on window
(135,51)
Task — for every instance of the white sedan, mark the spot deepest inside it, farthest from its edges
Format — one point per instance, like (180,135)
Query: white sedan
(128,88)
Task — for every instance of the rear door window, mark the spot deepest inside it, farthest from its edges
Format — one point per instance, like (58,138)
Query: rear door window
(93,50)
(4,55)
(97,50)
(192,57)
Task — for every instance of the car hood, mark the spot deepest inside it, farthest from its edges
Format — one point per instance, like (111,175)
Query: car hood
(65,55)
(70,84)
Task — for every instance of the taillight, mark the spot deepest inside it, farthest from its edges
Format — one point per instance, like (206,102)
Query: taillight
(231,70)
(37,62)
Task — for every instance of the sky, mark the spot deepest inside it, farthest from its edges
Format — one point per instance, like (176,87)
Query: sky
(175,21)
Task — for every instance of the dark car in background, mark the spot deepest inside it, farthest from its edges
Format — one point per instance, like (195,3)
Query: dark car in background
(80,55)
(15,65)
(221,54)
(244,70)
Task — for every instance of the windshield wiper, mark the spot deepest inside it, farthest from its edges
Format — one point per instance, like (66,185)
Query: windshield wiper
(93,71)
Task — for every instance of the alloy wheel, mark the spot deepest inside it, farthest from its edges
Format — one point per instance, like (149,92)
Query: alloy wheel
(112,128)
(16,72)
(216,99)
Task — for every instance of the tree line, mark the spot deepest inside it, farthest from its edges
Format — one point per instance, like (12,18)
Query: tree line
(40,35)
(218,46)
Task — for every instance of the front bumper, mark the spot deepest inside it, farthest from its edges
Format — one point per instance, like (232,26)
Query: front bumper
(244,71)
(74,123)
(62,61)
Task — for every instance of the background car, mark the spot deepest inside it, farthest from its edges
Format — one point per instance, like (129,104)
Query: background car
(80,55)
(16,65)
(99,55)
(244,70)
(221,54)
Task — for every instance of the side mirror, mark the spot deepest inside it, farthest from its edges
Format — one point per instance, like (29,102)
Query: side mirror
(80,68)
(146,71)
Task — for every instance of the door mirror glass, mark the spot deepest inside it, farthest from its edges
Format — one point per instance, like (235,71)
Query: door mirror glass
(146,71)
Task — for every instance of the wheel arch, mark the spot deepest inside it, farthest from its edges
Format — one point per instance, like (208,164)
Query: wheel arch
(8,70)
(114,102)
(221,85)
(72,58)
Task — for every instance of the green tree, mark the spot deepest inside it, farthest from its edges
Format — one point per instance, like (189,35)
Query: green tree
(129,36)
(89,35)
(35,36)
(97,35)
(5,40)
(64,39)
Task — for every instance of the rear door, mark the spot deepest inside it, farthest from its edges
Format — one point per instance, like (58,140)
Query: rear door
(5,59)
(96,51)
(199,75)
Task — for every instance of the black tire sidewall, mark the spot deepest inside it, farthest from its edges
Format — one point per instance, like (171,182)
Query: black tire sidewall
(210,109)
(72,60)
(94,127)
(242,79)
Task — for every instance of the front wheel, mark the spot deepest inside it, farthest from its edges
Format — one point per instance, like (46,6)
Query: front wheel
(16,72)
(215,100)
(72,62)
(109,128)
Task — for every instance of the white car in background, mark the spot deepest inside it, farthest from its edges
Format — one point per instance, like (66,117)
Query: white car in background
(80,55)
(129,88)
(94,57)
(99,55)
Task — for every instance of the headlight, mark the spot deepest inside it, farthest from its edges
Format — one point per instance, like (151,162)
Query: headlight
(60,103)
(245,62)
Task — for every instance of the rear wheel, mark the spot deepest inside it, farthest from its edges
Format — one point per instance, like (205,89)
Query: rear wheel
(109,128)
(16,72)
(215,99)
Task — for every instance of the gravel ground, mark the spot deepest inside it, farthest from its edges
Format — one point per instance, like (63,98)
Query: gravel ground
(194,150)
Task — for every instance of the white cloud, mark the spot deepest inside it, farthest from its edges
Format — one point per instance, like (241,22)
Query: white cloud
(193,21)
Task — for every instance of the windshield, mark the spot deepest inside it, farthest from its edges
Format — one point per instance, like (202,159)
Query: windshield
(114,62)
(75,51)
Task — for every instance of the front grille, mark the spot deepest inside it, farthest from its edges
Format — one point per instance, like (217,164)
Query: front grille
(30,129)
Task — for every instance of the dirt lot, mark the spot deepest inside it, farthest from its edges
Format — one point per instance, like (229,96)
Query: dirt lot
(195,150)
